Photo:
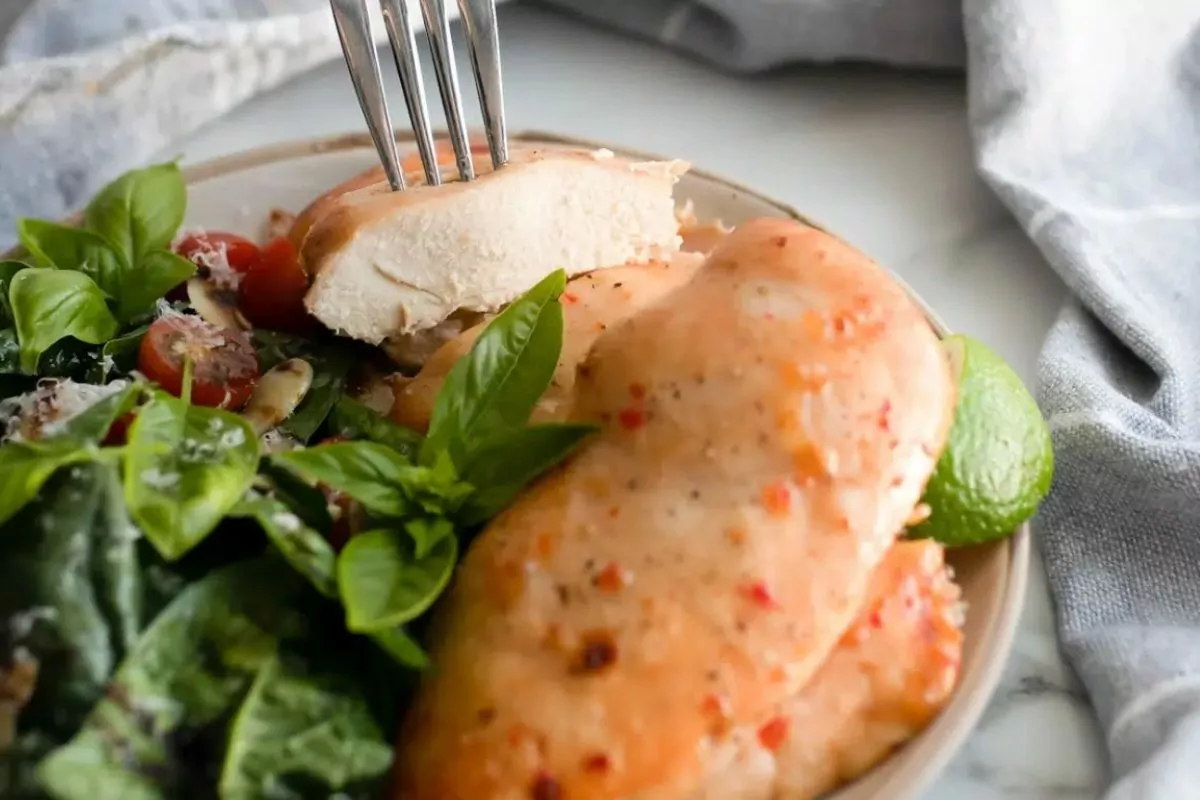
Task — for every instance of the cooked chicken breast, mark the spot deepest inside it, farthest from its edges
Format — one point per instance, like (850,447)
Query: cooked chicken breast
(591,304)
(379,272)
(765,431)
(889,675)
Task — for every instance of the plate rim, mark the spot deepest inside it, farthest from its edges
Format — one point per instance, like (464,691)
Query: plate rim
(999,645)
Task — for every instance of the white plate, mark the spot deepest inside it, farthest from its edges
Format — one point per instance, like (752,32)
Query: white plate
(236,193)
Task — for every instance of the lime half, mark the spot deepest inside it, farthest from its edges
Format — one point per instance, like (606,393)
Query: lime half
(998,463)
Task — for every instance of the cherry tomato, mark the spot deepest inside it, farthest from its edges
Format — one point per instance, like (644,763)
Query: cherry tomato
(272,292)
(240,252)
(224,365)
(118,434)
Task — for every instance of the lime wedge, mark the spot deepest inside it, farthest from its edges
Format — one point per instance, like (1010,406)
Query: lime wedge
(998,463)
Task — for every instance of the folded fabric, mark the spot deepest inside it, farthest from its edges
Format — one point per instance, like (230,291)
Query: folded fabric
(1085,121)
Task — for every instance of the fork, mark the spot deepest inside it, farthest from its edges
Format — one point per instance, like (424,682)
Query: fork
(358,46)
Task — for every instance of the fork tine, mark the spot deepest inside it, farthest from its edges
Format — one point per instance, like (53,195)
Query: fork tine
(404,47)
(358,46)
(479,20)
(437,26)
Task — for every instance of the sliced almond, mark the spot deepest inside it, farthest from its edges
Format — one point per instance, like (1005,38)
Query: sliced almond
(215,305)
(277,394)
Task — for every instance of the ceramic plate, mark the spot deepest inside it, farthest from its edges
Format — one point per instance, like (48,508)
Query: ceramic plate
(236,193)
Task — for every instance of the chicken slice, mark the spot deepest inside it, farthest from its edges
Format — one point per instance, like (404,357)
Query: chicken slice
(889,675)
(591,304)
(766,430)
(386,263)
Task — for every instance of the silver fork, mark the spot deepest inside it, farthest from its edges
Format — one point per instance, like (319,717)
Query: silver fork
(358,47)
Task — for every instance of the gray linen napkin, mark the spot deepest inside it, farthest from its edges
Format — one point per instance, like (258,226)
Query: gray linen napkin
(1086,118)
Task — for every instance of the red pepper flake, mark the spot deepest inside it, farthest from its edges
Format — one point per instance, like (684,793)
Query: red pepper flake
(631,418)
(613,578)
(777,497)
(759,594)
(546,544)
(597,764)
(637,391)
(736,536)
(772,735)
(545,788)
(570,298)
(885,413)
(875,620)
(599,652)
(614,512)
(780,241)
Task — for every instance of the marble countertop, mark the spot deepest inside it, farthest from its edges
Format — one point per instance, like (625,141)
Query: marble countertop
(883,159)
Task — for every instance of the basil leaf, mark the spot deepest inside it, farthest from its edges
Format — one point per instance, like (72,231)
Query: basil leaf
(402,648)
(7,270)
(68,248)
(304,548)
(186,673)
(330,367)
(150,278)
(383,585)
(425,532)
(355,420)
(49,305)
(186,467)
(70,591)
(370,473)
(496,385)
(24,468)
(307,720)
(505,464)
(139,211)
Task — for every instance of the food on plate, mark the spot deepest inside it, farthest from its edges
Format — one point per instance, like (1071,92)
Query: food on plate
(655,521)
(765,430)
(377,273)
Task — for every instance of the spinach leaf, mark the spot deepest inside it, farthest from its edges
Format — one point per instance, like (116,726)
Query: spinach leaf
(495,386)
(384,585)
(307,720)
(304,548)
(370,473)
(10,352)
(7,270)
(187,466)
(330,365)
(402,648)
(139,211)
(70,591)
(185,674)
(505,464)
(49,305)
(149,279)
(68,248)
(355,420)
(118,355)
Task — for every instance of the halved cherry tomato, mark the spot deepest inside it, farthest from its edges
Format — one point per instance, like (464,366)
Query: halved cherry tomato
(272,292)
(118,434)
(224,365)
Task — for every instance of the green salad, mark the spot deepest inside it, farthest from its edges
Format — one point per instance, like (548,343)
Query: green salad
(215,558)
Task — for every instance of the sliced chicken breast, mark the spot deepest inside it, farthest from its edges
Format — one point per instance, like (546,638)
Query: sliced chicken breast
(379,270)
(889,675)
(591,304)
(765,431)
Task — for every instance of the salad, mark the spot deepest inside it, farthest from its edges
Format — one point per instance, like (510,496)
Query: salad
(216,557)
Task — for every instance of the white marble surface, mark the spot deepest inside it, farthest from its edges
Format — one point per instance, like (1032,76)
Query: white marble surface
(884,159)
